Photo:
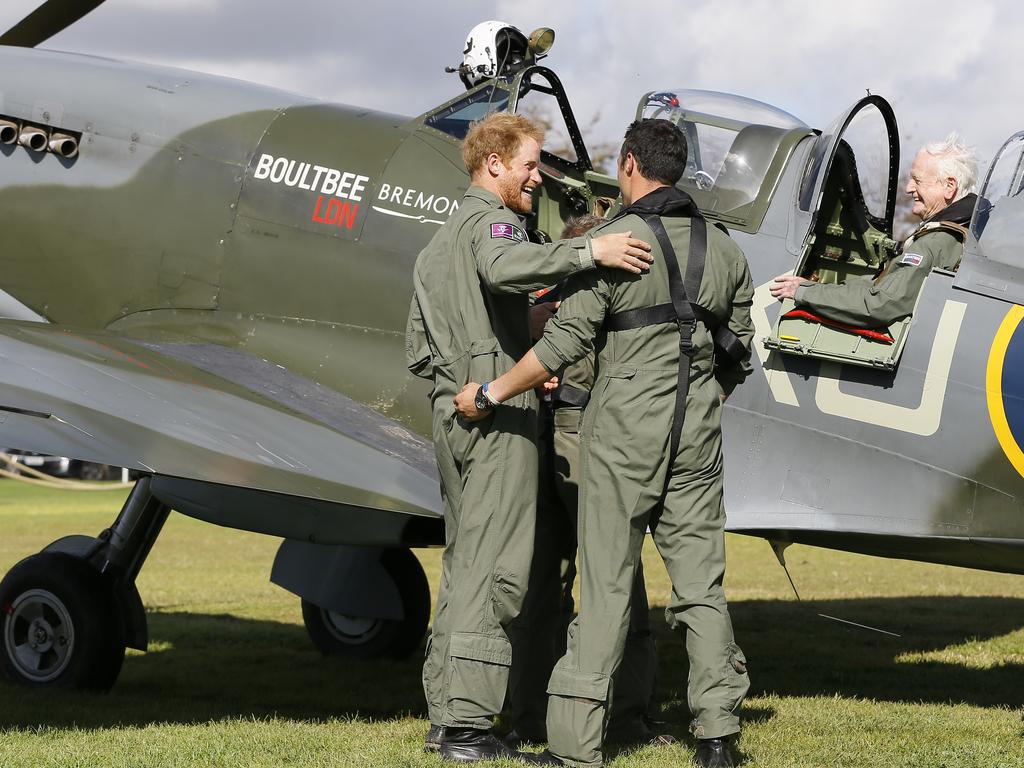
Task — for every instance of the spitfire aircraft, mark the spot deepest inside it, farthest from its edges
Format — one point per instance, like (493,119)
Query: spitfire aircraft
(207,281)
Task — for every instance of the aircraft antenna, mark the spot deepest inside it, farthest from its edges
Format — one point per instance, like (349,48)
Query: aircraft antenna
(779,548)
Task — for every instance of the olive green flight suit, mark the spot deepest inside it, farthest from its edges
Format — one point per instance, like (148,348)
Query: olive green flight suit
(469,320)
(626,466)
(870,303)
(539,634)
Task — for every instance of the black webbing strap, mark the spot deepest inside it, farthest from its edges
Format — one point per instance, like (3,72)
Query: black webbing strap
(638,318)
(567,394)
(679,289)
(727,342)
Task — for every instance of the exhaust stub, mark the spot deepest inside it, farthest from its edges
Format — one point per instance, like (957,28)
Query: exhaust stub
(63,144)
(33,138)
(8,132)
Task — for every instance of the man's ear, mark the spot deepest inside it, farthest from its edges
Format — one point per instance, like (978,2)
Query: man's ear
(494,164)
(950,189)
(629,164)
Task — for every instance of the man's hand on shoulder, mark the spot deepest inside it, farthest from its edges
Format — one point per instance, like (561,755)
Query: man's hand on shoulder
(621,250)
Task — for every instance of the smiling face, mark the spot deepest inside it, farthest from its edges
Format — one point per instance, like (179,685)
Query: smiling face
(930,192)
(517,180)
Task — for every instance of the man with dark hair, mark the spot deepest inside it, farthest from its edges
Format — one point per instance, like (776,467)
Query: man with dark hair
(538,634)
(671,345)
(468,318)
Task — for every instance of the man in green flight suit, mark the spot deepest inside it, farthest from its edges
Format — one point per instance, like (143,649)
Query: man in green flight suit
(468,319)
(538,634)
(942,181)
(669,350)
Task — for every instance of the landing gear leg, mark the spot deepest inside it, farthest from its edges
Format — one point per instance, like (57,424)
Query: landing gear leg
(67,613)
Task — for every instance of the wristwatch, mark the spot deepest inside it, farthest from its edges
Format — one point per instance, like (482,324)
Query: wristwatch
(483,400)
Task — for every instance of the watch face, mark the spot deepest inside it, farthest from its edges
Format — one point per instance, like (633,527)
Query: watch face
(481,402)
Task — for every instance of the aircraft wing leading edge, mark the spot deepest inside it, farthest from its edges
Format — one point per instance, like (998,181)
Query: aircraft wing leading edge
(207,414)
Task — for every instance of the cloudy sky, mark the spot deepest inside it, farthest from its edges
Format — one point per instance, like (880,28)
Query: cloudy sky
(943,65)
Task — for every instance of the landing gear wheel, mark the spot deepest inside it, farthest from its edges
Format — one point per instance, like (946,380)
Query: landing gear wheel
(59,624)
(358,637)
(93,472)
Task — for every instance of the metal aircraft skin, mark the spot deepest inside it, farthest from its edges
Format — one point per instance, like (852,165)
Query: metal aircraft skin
(210,281)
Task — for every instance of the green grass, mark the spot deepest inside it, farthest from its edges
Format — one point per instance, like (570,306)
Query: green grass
(232,680)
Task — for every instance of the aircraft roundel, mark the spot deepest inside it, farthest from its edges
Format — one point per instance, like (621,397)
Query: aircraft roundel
(1005,386)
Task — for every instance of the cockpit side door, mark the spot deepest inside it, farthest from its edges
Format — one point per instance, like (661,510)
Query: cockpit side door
(841,227)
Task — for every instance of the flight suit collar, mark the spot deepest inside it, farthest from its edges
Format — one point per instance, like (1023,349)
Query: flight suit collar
(485,195)
(661,201)
(958,212)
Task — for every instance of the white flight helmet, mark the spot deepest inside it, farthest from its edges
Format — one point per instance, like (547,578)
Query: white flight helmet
(492,48)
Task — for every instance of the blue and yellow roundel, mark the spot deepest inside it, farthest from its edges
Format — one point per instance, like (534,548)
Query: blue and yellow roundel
(1004,384)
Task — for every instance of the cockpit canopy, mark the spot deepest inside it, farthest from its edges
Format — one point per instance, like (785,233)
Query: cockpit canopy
(734,159)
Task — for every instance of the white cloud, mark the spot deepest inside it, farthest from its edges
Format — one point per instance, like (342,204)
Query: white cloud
(942,64)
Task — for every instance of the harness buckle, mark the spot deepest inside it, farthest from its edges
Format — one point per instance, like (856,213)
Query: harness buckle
(686,329)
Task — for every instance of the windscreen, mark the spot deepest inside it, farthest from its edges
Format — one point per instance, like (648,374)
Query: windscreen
(731,143)
(455,118)
(998,221)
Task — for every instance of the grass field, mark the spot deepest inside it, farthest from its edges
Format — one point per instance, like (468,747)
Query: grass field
(232,680)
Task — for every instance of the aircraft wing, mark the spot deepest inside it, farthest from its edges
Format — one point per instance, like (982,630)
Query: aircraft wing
(208,413)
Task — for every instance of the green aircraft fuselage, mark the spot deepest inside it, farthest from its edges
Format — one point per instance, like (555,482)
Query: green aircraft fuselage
(206,211)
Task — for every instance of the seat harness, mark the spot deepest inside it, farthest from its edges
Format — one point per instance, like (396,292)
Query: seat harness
(682,311)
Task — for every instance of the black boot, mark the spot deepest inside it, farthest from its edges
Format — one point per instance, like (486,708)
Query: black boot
(433,741)
(714,753)
(468,745)
(515,739)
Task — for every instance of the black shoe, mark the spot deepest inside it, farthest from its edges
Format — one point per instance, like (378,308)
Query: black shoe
(515,739)
(655,725)
(637,732)
(432,743)
(714,753)
(468,745)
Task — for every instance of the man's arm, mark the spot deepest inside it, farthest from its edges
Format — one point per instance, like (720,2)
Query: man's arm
(868,303)
(507,263)
(730,374)
(417,348)
(568,336)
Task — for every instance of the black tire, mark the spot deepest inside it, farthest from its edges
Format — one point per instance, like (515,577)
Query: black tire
(59,624)
(355,637)
(88,470)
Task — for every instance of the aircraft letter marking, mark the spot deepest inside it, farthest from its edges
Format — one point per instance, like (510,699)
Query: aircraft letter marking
(331,181)
(263,167)
(925,418)
(775,370)
(278,170)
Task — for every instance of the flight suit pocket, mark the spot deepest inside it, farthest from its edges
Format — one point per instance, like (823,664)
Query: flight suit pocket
(579,685)
(737,681)
(577,710)
(483,360)
(479,675)
(613,388)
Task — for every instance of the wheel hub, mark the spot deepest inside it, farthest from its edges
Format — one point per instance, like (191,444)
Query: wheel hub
(354,630)
(38,635)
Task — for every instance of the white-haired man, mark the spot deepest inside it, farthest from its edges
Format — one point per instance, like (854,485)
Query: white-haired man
(942,181)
